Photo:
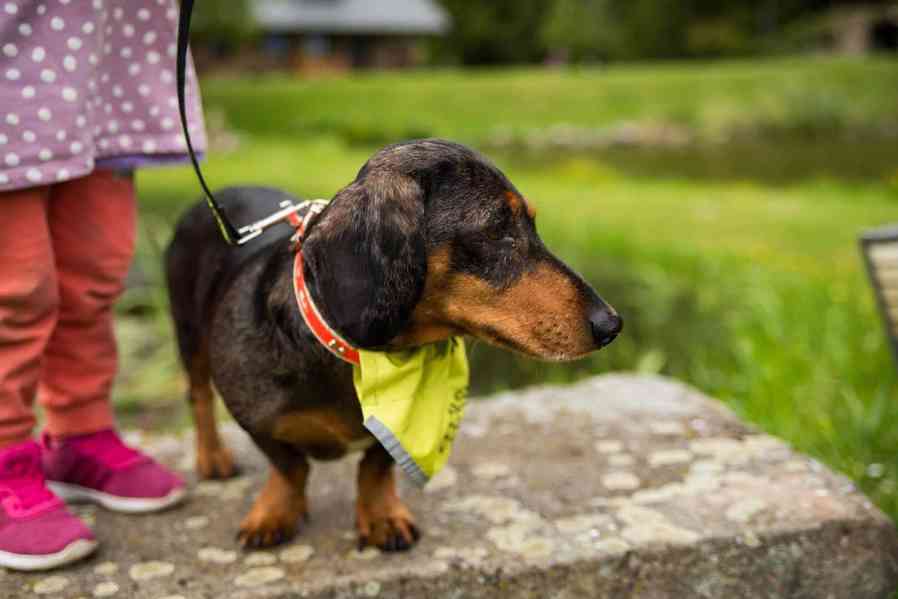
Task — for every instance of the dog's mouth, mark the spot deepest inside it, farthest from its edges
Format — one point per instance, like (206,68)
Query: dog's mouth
(547,345)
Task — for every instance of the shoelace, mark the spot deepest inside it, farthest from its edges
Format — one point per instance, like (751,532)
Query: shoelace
(22,482)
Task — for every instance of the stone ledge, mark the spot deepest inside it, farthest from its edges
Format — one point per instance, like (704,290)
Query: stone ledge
(619,486)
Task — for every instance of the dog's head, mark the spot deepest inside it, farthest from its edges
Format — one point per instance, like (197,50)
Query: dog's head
(431,240)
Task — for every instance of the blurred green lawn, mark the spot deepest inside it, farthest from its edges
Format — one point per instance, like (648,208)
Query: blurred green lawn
(473,105)
(746,286)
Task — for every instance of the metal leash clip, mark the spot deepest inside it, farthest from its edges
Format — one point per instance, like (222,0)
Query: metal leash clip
(251,231)
(315,207)
(289,212)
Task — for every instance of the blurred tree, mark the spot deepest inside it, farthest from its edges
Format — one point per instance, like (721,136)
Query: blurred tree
(652,29)
(495,32)
(222,26)
(616,29)
(573,30)
(509,31)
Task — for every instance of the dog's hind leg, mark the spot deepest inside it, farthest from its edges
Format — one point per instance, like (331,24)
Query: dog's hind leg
(381,517)
(279,507)
(213,458)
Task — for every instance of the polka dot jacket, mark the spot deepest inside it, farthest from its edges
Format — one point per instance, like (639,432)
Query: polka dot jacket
(89,83)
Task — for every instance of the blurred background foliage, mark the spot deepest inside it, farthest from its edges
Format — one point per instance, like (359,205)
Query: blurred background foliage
(503,32)
(225,26)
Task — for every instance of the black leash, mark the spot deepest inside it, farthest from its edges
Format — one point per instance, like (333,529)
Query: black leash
(231,234)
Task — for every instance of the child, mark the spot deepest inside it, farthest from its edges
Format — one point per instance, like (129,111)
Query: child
(87,94)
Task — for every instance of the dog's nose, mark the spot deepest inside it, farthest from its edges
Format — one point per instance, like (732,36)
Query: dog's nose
(606,326)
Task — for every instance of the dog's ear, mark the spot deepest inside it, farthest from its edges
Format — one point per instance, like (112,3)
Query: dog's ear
(365,258)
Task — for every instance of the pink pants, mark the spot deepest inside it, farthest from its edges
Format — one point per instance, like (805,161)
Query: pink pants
(64,252)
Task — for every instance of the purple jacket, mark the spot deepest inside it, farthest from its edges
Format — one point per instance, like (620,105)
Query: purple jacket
(86,84)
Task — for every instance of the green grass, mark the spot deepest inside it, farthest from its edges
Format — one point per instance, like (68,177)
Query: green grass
(473,106)
(746,286)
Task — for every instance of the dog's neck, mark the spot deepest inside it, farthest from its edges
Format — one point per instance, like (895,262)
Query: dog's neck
(324,333)
(280,311)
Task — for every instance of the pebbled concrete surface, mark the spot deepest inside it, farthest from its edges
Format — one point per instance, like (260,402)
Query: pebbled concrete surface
(620,486)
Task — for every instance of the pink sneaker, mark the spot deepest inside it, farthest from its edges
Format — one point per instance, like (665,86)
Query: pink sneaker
(37,532)
(100,468)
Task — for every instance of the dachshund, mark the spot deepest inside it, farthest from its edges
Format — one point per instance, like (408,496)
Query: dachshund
(430,240)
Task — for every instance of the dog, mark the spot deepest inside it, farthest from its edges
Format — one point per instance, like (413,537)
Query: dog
(429,241)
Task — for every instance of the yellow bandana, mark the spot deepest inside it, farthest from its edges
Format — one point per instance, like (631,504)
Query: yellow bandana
(413,401)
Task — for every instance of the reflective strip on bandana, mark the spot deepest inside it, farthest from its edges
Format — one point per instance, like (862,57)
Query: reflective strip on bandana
(413,401)
(389,442)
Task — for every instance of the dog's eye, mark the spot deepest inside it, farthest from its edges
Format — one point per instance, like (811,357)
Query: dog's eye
(501,236)
(496,234)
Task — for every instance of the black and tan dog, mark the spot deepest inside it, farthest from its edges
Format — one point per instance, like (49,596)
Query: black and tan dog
(430,241)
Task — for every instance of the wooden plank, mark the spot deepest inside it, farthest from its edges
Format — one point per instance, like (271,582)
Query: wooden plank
(887,278)
(884,255)
(884,261)
(890,295)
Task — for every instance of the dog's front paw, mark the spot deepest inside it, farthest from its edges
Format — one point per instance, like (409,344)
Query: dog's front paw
(215,463)
(388,526)
(275,515)
(267,525)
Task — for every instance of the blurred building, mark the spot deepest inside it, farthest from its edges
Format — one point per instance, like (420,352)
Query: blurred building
(326,35)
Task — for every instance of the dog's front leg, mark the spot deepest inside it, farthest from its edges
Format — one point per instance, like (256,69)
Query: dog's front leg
(275,515)
(381,517)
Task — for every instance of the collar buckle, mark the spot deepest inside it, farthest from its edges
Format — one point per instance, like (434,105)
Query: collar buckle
(314,207)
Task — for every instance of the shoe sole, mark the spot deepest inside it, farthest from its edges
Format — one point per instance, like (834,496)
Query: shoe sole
(130,505)
(74,551)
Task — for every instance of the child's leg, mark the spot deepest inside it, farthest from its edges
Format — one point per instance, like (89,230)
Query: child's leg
(28,306)
(92,225)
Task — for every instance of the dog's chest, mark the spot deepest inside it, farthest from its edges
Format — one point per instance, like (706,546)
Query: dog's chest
(323,434)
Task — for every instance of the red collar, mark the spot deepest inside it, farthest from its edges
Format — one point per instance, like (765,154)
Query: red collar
(328,337)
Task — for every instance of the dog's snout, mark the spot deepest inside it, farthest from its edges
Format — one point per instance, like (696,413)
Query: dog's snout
(606,325)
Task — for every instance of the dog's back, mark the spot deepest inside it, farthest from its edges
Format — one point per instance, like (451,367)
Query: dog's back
(198,262)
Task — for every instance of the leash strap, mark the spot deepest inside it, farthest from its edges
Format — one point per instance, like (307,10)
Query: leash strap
(227,228)
(289,212)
